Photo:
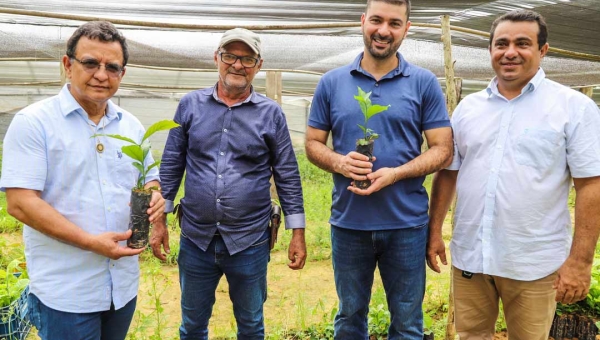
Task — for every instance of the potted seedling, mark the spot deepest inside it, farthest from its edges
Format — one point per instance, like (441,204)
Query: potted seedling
(13,296)
(140,196)
(365,145)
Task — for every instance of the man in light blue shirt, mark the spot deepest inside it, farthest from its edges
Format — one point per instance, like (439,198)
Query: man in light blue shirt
(518,144)
(72,192)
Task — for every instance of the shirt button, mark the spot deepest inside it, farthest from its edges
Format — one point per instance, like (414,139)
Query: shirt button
(221,153)
(218,223)
(490,194)
(376,84)
(104,182)
(220,176)
(218,200)
(224,130)
(108,209)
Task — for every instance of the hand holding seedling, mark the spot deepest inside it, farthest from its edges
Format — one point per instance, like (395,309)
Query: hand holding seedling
(157,206)
(354,166)
(379,180)
(107,244)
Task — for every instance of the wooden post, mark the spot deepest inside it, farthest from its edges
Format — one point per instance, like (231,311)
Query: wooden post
(451,102)
(588,91)
(274,87)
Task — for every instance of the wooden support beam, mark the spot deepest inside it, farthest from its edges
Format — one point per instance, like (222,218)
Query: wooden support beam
(588,91)
(274,87)
(451,103)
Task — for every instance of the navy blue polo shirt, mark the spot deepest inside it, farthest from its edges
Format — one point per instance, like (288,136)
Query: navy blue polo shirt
(417,105)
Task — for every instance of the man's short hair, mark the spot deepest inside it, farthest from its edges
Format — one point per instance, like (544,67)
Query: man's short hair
(100,30)
(521,15)
(393,2)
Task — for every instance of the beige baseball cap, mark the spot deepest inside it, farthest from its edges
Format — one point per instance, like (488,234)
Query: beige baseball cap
(241,34)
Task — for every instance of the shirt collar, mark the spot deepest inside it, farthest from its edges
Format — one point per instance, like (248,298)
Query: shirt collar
(253,97)
(402,69)
(533,84)
(68,105)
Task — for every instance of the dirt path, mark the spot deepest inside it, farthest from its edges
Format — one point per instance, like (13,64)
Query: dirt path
(296,299)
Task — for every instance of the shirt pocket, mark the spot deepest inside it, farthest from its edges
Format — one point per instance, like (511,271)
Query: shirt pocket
(123,173)
(537,148)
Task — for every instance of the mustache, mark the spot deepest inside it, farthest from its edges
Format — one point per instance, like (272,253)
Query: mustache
(234,71)
(377,36)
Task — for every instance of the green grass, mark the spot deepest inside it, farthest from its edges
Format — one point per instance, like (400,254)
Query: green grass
(8,224)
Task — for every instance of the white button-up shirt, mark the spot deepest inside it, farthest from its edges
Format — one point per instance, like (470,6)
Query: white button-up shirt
(48,148)
(515,160)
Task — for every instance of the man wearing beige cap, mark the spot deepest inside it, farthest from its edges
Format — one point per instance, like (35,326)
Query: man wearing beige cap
(230,142)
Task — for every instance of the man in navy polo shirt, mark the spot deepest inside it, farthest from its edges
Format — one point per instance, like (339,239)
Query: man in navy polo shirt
(384,225)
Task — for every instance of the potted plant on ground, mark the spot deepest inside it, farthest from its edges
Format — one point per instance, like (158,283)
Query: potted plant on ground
(14,282)
(140,196)
(580,320)
(365,145)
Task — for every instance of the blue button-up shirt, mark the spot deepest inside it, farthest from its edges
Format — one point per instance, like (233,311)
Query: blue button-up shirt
(48,148)
(229,155)
(515,160)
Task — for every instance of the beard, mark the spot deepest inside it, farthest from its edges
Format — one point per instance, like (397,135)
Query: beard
(376,53)
(233,81)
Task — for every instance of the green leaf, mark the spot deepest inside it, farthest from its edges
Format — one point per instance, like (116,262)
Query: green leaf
(359,98)
(375,109)
(135,152)
(123,138)
(138,166)
(159,126)
(145,148)
(153,165)
(363,129)
(362,93)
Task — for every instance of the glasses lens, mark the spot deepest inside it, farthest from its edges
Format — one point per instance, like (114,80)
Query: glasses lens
(248,61)
(90,64)
(228,58)
(113,69)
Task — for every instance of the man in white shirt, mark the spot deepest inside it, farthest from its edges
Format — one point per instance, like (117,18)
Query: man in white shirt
(518,144)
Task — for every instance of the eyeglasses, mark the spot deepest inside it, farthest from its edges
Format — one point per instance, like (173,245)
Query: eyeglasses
(93,65)
(230,59)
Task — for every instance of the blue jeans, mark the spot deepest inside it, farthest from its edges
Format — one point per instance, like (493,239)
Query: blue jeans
(199,275)
(56,325)
(400,256)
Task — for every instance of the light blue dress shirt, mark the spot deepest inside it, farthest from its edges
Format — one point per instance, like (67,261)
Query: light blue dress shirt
(48,148)
(516,159)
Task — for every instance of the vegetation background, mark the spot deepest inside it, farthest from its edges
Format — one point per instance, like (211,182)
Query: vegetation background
(300,305)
